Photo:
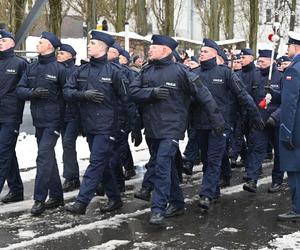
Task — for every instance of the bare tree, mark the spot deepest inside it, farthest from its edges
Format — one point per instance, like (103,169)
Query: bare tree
(121,15)
(228,8)
(254,17)
(141,17)
(55,16)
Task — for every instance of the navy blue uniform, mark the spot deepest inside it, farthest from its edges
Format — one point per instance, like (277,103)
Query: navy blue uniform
(11,112)
(259,139)
(70,132)
(165,122)
(223,84)
(47,114)
(99,121)
(290,130)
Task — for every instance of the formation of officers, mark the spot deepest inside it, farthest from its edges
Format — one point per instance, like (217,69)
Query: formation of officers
(229,112)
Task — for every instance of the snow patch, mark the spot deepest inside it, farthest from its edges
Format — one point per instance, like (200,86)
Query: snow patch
(25,234)
(147,245)
(289,241)
(110,245)
(229,229)
(188,234)
(268,209)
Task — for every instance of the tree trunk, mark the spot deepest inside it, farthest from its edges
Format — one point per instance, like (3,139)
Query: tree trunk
(141,17)
(254,17)
(19,10)
(229,18)
(293,15)
(214,20)
(55,16)
(91,15)
(121,15)
(169,17)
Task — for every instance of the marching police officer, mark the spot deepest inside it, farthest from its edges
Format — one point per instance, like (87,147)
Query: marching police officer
(11,112)
(259,139)
(223,84)
(165,89)
(42,84)
(290,126)
(283,62)
(66,56)
(99,86)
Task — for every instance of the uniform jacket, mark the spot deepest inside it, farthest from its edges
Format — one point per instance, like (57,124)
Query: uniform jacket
(12,68)
(106,77)
(167,119)
(224,85)
(290,117)
(47,73)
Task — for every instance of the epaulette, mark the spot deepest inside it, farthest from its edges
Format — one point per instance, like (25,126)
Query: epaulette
(116,65)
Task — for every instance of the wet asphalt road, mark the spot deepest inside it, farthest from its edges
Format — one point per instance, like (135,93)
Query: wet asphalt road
(240,220)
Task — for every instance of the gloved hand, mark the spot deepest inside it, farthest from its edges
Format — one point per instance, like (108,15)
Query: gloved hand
(268,88)
(258,123)
(40,93)
(136,137)
(218,131)
(94,95)
(288,145)
(160,93)
(271,122)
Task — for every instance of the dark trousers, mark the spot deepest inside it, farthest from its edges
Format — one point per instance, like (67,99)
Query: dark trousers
(98,171)
(212,151)
(257,150)
(294,183)
(192,148)
(9,167)
(69,136)
(166,182)
(47,180)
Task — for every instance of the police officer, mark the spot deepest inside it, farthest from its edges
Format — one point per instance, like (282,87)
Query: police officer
(290,126)
(99,86)
(11,112)
(259,139)
(42,84)
(283,62)
(165,89)
(223,84)
(66,56)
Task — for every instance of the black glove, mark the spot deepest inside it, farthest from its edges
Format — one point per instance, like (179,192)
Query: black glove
(288,145)
(218,131)
(136,137)
(160,93)
(271,122)
(94,95)
(268,88)
(40,93)
(258,123)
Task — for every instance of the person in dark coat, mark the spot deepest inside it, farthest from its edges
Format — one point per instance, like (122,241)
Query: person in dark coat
(165,89)
(70,130)
(12,68)
(42,84)
(289,136)
(98,87)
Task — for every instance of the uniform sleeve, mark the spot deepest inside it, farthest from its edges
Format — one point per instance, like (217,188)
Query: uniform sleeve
(289,103)
(203,96)
(139,93)
(120,85)
(70,90)
(24,92)
(245,100)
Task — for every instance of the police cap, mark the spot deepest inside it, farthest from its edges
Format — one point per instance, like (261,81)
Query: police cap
(294,38)
(212,44)
(164,40)
(104,37)
(68,48)
(53,39)
(247,52)
(6,34)
(266,53)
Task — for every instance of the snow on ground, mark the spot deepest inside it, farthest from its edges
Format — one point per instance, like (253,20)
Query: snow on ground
(289,241)
(229,229)
(110,245)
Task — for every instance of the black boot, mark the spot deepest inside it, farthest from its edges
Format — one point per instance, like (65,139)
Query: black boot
(76,208)
(71,185)
(129,174)
(38,208)
(204,202)
(225,182)
(100,190)
(54,203)
(173,211)
(13,197)
(144,194)
(250,186)
(275,187)
(187,168)
(111,206)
